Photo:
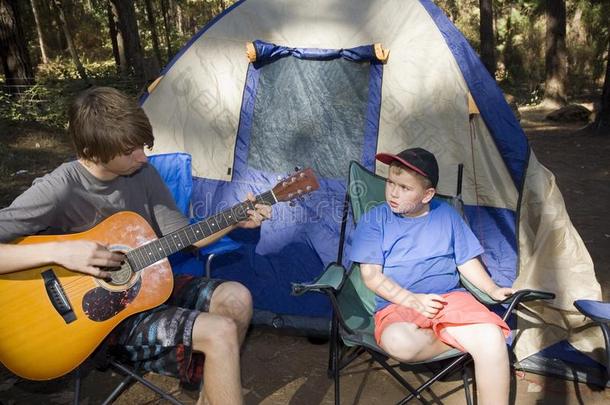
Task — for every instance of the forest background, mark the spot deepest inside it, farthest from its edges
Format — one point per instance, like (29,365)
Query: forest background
(551,51)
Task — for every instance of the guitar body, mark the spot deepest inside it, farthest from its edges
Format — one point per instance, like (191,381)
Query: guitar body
(52,319)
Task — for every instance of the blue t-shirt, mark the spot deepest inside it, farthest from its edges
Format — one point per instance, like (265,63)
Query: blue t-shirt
(420,254)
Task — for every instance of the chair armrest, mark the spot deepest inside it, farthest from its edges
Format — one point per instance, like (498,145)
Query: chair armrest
(222,245)
(599,311)
(330,280)
(523,296)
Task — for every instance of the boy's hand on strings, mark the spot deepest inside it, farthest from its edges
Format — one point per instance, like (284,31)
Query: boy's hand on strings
(260,213)
(86,257)
(428,304)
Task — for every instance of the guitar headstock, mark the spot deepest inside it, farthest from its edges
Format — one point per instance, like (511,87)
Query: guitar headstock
(302,182)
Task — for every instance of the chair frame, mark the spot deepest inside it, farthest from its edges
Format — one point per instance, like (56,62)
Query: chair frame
(600,320)
(331,283)
(131,376)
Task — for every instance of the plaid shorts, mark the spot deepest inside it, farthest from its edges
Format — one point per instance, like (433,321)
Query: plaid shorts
(160,339)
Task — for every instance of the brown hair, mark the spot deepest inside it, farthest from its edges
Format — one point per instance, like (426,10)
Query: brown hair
(104,123)
(423,180)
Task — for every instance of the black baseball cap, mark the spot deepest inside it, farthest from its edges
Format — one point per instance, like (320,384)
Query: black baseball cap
(417,159)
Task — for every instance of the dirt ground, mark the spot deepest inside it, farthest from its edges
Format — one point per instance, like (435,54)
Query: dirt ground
(280,369)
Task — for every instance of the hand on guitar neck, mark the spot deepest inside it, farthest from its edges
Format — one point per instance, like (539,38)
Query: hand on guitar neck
(257,215)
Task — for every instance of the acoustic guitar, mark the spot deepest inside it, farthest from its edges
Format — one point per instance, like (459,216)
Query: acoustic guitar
(52,319)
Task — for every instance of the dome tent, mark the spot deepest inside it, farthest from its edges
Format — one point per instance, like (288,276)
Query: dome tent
(319,95)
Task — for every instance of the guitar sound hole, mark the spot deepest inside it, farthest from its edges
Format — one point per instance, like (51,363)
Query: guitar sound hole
(120,275)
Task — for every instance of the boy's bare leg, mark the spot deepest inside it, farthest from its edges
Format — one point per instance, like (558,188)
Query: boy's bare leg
(219,335)
(407,342)
(487,346)
(233,300)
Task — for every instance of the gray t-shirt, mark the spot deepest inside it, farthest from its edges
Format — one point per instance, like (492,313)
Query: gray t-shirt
(70,199)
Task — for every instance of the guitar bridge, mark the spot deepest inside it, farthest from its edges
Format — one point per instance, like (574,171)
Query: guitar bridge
(57,296)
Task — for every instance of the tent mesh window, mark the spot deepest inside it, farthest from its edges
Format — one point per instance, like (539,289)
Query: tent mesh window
(309,105)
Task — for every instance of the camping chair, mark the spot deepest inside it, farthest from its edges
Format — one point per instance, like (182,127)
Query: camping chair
(598,312)
(352,328)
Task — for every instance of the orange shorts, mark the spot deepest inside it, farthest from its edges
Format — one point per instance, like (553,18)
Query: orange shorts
(461,309)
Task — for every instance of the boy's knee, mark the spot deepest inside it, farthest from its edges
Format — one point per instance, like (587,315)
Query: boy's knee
(233,298)
(490,340)
(400,343)
(216,334)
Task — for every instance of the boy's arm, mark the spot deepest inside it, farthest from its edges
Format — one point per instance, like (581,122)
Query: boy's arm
(427,304)
(474,271)
(81,256)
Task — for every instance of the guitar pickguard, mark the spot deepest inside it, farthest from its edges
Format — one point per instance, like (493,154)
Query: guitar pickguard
(100,304)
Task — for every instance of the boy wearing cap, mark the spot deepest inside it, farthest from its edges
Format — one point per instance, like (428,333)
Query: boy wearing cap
(410,251)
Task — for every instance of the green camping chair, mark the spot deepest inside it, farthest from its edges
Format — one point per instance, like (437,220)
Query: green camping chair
(352,328)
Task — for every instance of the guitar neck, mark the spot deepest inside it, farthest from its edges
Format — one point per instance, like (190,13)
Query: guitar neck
(161,248)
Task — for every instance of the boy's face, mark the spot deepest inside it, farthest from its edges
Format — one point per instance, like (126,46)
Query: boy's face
(406,194)
(126,163)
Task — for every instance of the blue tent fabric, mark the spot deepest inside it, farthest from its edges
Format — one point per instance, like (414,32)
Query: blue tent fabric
(267,52)
(495,229)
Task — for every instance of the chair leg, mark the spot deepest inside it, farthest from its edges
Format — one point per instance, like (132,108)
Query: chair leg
(413,392)
(118,390)
(606,333)
(466,380)
(336,376)
(77,381)
(208,266)
(332,350)
(145,382)
(464,358)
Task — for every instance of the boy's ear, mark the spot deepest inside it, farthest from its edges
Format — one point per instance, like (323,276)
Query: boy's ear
(428,195)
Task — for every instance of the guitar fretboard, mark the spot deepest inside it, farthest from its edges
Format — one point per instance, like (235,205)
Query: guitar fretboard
(152,252)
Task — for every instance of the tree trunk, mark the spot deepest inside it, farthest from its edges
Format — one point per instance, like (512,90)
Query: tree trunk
(43,47)
(556,55)
(64,25)
(179,18)
(128,27)
(13,48)
(602,119)
(121,52)
(168,42)
(60,38)
(152,25)
(113,36)
(486,29)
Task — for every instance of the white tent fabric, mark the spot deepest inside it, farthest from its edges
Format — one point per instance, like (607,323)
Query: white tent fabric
(195,108)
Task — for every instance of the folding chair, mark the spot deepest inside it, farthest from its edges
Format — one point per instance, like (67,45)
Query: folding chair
(598,312)
(352,328)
